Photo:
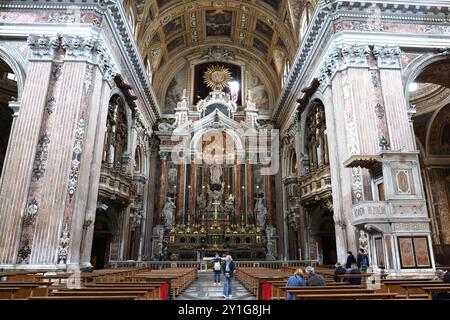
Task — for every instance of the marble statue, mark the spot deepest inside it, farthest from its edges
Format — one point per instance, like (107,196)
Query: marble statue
(168,211)
(363,240)
(261,213)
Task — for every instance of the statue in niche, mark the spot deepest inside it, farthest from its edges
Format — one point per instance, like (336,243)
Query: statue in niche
(261,212)
(229,204)
(363,240)
(216,175)
(168,211)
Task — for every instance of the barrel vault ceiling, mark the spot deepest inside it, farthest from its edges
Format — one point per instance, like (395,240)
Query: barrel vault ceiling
(262,31)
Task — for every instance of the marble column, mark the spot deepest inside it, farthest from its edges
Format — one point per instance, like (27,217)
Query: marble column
(250,191)
(192,193)
(17,171)
(238,191)
(180,193)
(162,186)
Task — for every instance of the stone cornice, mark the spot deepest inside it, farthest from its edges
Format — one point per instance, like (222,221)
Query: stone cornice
(331,10)
(116,19)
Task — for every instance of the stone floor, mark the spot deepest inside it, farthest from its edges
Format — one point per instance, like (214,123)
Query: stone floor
(203,289)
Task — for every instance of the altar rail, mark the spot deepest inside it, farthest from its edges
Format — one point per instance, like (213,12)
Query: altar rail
(203,265)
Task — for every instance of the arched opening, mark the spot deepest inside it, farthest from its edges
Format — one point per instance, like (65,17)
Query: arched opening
(327,239)
(115,187)
(8,94)
(430,103)
(101,244)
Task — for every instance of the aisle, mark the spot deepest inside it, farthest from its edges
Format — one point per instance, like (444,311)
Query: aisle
(203,289)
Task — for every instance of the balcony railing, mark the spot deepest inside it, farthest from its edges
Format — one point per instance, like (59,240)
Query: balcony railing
(383,211)
(315,186)
(114,182)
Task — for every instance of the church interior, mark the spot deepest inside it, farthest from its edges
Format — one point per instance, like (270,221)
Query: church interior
(142,141)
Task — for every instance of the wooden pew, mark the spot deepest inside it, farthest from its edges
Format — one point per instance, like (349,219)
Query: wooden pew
(417,289)
(8,293)
(28,289)
(80,297)
(430,290)
(345,296)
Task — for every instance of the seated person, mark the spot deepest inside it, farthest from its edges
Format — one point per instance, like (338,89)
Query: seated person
(338,271)
(314,279)
(297,280)
(444,276)
(354,270)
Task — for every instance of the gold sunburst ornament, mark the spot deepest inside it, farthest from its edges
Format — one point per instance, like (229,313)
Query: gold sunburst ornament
(217,77)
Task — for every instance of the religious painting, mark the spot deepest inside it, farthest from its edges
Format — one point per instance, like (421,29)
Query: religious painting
(258,91)
(380,252)
(406,248)
(218,22)
(173,27)
(260,46)
(422,253)
(273,3)
(174,92)
(280,43)
(156,39)
(178,42)
(264,30)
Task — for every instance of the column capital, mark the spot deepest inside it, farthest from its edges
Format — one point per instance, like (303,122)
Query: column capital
(43,47)
(163,155)
(387,56)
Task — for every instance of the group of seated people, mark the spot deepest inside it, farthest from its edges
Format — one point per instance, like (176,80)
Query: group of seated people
(299,279)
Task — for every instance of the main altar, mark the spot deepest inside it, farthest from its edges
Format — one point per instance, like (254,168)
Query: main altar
(214,193)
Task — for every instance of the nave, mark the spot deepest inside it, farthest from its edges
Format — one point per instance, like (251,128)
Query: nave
(248,283)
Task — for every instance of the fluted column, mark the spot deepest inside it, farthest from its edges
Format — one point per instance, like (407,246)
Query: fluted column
(162,186)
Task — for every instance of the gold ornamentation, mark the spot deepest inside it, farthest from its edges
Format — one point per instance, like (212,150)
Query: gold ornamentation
(217,77)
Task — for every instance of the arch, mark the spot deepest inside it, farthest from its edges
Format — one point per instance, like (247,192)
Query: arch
(17,63)
(416,67)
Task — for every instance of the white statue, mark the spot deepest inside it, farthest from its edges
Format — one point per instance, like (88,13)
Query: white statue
(261,212)
(216,175)
(168,211)
(363,240)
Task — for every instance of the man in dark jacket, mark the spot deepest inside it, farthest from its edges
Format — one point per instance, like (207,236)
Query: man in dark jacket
(350,260)
(314,279)
(363,259)
(445,277)
(228,269)
(338,271)
(355,270)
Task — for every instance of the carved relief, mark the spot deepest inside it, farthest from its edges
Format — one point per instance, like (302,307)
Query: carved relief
(403,181)
(43,47)
(387,57)
(41,157)
(76,156)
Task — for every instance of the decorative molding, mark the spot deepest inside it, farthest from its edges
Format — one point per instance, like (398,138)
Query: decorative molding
(218,54)
(43,47)
(411,227)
